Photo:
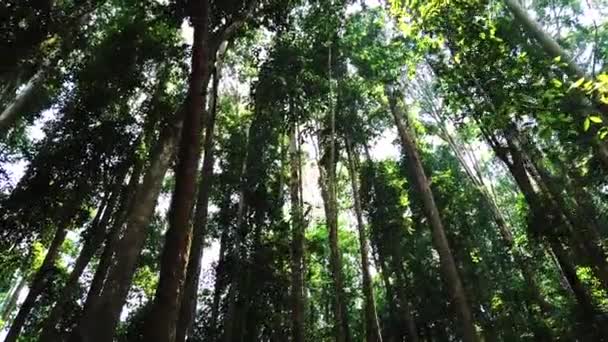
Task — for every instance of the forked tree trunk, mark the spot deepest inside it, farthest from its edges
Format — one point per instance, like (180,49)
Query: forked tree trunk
(199,230)
(372,328)
(38,283)
(440,242)
(297,241)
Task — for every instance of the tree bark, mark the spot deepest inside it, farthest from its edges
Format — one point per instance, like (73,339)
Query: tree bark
(583,229)
(297,241)
(406,313)
(440,242)
(393,331)
(372,328)
(199,231)
(38,284)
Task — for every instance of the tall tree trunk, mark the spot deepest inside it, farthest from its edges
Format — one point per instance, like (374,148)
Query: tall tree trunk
(113,236)
(583,229)
(328,193)
(231,323)
(11,301)
(372,328)
(218,286)
(406,312)
(246,326)
(199,231)
(554,50)
(580,292)
(161,322)
(476,177)
(91,245)
(99,321)
(38,283)
(393,331)
(543,219)
(547,43)
(440,241)
(297,240)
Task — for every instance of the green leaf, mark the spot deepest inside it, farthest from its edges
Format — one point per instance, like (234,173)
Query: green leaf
(603,132)
(595,119)
(586,124)
(577,83)
(556,83)
(557,59)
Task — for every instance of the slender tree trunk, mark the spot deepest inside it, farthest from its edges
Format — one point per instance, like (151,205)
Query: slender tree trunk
(583,230)
(11,301)
(504,229)
(245,326)
(547,43)
(91,245)
(580,292)
(231,323)
(99,320)
(440,241)
(101,272)
(406,312)
(372,328)
(393,330)
(189,297)
(297,241)
(218,286)
(15,109)
(542,220)
(38,284)
(113,236)
(554,50)
(328,192)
